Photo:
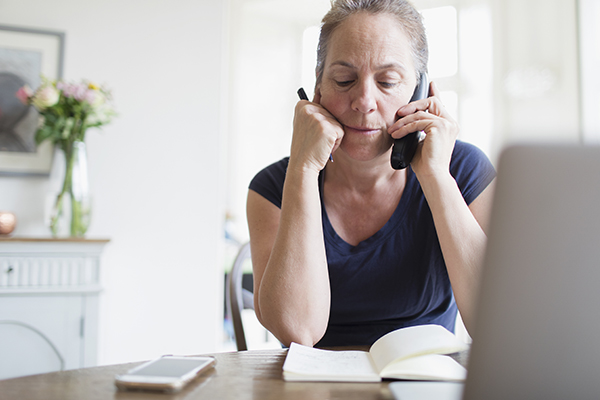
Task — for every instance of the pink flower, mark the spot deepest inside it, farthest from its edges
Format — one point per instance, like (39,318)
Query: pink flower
(80,92)
(24,93)
(67,89)
(91,97)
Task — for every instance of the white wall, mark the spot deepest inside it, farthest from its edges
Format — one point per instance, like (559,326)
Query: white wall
(156,172)
(265,73)
(536,69)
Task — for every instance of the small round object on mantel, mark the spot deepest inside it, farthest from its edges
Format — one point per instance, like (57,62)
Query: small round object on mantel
(8,221)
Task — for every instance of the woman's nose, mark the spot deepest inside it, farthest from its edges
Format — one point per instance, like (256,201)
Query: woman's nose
(364,98)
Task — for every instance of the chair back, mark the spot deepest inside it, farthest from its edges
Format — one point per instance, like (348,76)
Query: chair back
(237,297)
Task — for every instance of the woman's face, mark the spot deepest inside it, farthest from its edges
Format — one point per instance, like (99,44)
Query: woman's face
(369,74)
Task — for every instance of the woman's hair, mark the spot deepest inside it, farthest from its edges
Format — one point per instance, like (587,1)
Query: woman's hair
(404,12)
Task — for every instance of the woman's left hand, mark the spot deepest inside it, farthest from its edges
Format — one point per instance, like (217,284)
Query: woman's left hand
(441,130)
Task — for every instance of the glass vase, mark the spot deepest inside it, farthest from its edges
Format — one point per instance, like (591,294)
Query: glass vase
(69,200)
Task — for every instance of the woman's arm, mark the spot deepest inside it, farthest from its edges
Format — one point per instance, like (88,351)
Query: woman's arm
(460,228)
(291,280)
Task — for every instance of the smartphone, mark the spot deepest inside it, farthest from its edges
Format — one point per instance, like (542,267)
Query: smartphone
(167,373)
(404,148)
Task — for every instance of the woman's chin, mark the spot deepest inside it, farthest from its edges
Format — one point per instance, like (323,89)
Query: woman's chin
(366,153)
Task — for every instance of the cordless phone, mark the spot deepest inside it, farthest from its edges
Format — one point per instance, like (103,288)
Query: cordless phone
(404,148)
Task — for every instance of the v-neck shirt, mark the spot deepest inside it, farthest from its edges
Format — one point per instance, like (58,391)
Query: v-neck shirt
(397,277)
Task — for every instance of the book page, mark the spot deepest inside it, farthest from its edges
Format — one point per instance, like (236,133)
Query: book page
(310,364)
(414,341)
(428,367)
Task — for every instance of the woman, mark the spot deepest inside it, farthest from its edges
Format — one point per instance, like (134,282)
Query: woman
(346,251)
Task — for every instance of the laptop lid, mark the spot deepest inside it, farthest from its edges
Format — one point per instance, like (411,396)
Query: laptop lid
(537,332)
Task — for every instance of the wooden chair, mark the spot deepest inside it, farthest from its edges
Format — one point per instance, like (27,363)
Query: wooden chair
(237,297)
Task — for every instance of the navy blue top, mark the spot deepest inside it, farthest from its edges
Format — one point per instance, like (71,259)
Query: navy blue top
(397,277)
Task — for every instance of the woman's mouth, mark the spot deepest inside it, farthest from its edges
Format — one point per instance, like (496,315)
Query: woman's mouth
(362,130)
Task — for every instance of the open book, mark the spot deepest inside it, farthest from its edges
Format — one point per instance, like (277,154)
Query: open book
(414,353)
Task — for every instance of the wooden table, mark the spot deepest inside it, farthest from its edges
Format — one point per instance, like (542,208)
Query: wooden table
(241,375)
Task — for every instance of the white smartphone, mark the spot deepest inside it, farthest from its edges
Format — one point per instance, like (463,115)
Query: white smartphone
(167,373)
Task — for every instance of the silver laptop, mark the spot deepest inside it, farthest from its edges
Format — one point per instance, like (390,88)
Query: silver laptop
(537,333)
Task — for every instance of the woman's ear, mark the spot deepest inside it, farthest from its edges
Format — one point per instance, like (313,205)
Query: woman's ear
(317,96)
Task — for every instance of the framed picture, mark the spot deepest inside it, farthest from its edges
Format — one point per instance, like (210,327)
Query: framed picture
(25,55)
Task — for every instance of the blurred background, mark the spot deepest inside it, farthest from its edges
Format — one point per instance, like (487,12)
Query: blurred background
(205,91)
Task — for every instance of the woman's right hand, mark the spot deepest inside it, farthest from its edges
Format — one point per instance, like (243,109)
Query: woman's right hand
(317,134)
(292,295)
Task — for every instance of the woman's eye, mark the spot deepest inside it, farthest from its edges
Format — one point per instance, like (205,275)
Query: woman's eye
(344,83)
(387,85)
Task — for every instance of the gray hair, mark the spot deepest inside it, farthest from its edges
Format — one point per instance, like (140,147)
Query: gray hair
(408,17)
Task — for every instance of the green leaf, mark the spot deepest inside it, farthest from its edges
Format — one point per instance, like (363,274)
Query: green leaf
(43,133)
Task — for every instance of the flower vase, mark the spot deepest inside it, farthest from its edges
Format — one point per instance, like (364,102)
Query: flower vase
(70,201)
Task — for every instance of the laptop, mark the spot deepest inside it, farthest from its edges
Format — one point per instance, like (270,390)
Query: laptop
(537,332)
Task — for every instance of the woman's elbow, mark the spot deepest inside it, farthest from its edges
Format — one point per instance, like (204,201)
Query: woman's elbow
(304,337)
(294,331)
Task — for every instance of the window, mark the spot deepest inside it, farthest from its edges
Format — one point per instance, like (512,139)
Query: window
(460,62)
(589,37)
